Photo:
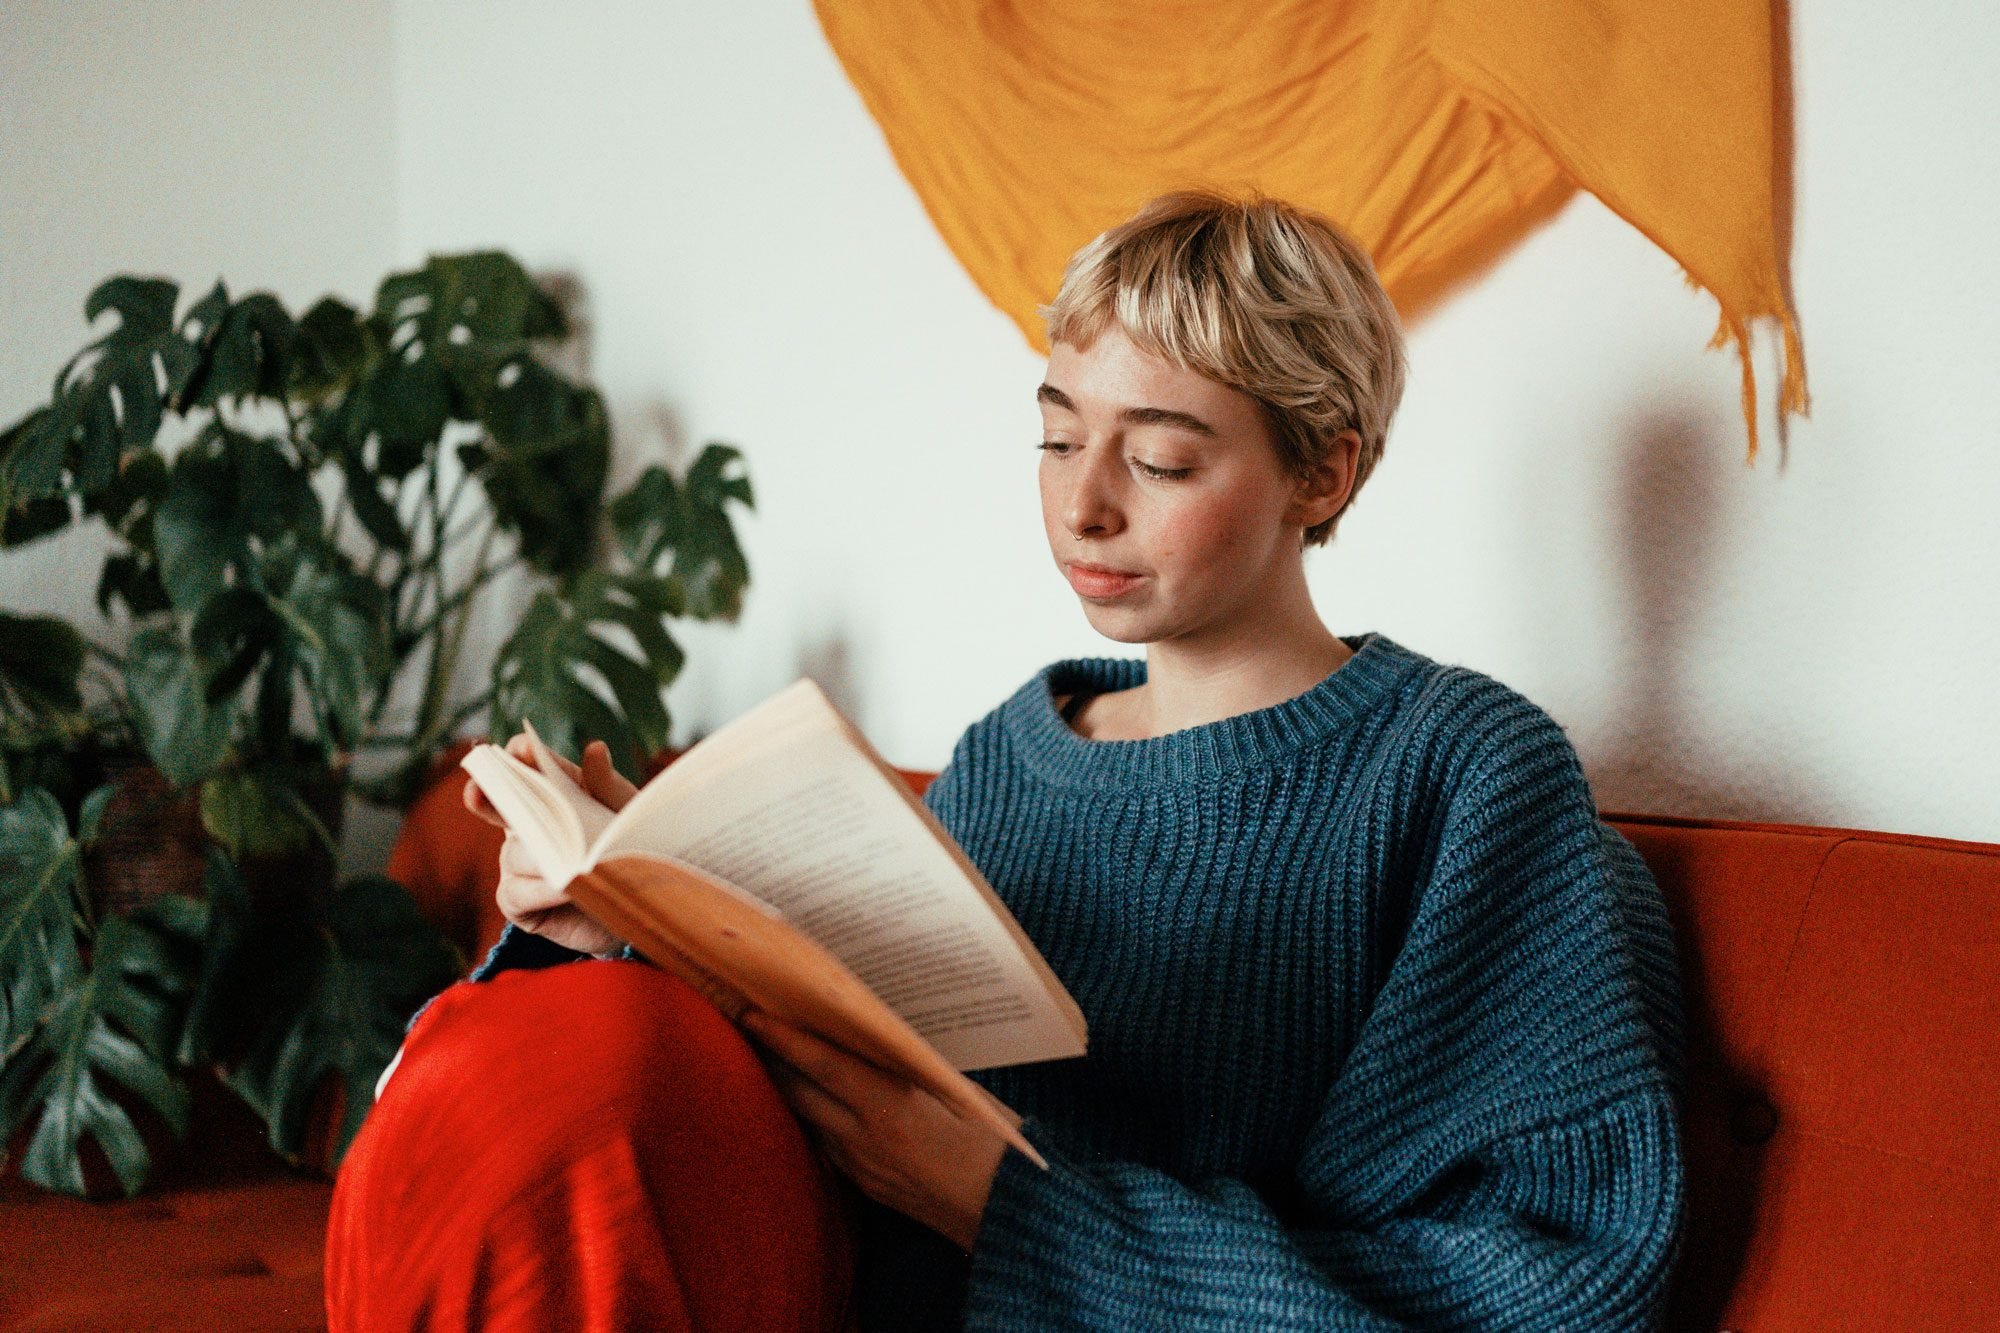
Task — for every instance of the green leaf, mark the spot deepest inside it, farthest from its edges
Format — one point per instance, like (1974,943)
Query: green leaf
(455,324)
(199,329)
(237,953)
(34,457)
(229,494)
(231,638)
(116,1028)
(127,501)
(183,733)
(334,346)
(133,580)
(717,478)
(487,293)
(127,504)
(90,819)
(30,466)
(253,813)
(648,518)
(377,515)
(338,626)
(38,952)
(108,400)
(558,667)
(41,659)
(545,469)
(145,306)
(362,978)
(407,403)
(22,523)
(251,352)
(686,534)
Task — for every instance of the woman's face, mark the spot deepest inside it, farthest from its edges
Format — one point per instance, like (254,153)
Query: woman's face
(1171,479)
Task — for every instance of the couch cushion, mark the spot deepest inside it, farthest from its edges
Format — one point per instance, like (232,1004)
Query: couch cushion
(1842,1126)
(225,1236)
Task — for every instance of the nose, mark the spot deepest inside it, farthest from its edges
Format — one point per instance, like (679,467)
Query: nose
(1093,503)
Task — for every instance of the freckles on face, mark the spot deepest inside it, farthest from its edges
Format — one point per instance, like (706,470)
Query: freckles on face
(1210,532)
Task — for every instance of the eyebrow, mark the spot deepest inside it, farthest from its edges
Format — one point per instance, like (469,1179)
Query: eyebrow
(1133,416)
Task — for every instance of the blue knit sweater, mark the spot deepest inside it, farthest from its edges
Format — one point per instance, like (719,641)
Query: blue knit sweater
(1385,1023)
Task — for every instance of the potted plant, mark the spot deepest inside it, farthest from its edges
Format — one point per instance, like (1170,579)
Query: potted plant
(305,514)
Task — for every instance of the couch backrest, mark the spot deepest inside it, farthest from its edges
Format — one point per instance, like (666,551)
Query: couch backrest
(1842,1126)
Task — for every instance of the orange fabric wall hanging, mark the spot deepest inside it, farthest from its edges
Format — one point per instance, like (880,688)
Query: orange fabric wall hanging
(1438,133)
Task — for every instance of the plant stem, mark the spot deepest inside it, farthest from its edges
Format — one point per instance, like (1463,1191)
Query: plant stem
(417,575)
(480,579)
(464,711)
(454,636)
(436,674)
(395,503)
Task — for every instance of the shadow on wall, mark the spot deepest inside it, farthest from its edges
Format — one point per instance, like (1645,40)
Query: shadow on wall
(1657,754)
(829,660)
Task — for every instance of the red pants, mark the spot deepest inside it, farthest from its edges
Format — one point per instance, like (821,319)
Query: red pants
(589,1146)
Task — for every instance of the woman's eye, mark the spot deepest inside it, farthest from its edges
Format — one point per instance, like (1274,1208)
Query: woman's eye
(1060,447)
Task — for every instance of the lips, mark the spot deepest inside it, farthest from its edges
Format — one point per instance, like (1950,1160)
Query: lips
(1100,580)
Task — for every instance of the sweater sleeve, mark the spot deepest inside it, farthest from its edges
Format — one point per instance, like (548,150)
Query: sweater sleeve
(517,948)
(523,949)
(1500,1150)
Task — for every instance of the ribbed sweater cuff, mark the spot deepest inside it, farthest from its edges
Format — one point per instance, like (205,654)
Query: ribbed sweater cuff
(1020,1244)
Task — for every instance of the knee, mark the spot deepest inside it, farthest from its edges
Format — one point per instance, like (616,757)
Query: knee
(596,1120)
(597,1043)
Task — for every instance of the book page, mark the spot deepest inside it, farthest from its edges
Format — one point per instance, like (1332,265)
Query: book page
(545,824)
(804,821)
(739,953)
(591,814)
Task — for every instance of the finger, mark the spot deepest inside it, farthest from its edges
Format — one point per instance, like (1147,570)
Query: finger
(523,749)
(514,859)
(840,1072)
(602,780)
(814,1102)
(527,896)
(522,892)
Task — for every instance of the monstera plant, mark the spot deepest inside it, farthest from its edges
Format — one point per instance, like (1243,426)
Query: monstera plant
(303,515)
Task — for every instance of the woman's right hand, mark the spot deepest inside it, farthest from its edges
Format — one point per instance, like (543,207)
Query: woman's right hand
(526,899)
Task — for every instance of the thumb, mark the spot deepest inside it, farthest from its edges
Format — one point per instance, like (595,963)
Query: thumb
(602,780)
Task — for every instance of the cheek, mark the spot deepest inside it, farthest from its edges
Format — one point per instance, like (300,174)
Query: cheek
(1209,529)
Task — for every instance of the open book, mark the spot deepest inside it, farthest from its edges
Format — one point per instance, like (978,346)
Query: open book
(781,864)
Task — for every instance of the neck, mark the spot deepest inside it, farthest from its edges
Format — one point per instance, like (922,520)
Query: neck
(1277,651)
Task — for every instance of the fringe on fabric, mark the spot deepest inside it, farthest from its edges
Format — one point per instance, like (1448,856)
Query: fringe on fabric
(1793,396)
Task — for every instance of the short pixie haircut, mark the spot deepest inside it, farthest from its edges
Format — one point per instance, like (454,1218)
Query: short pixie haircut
(1261,295)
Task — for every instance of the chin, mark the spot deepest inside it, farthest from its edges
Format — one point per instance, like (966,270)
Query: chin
(1117,628)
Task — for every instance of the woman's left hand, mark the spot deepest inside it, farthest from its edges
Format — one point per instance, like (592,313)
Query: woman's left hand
(901,1145)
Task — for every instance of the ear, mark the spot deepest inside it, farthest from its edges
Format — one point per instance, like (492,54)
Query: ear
(1324,494)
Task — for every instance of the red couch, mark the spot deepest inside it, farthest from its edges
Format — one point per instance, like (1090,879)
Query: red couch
(1842,1129)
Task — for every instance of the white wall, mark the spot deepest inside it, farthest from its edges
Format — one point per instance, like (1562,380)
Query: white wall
(249,142)
(1564,503)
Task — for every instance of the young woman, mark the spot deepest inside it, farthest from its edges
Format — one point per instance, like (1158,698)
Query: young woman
(1385,1021)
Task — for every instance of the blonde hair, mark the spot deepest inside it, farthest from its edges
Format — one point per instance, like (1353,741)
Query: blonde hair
(1261,295)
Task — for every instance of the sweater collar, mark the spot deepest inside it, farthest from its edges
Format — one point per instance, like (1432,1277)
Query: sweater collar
(1214,749)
